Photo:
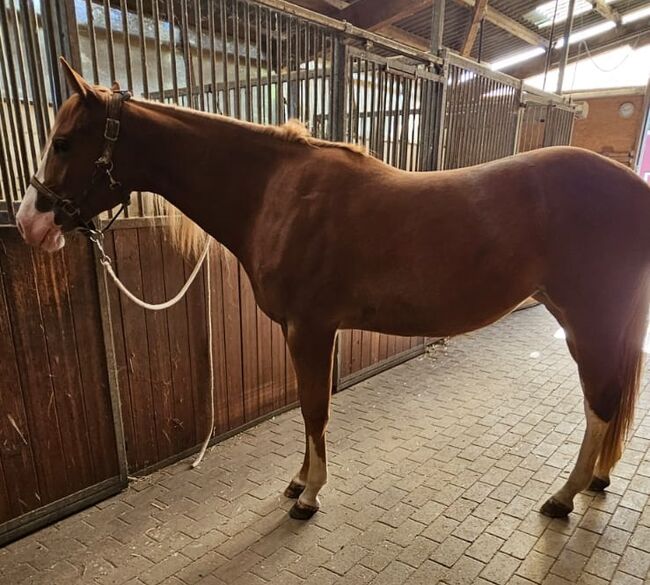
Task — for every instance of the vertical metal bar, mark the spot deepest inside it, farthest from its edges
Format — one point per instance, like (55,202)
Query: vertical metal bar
(235,32)
(564,58)
(289,55)
(213,58)
(373,109)
(364,124)
(307,61)
(159,67)
(247,41)
(127,42)
(350,93)
(406,106)
(338,77)
(32,47)
(224,48)
(269,65)
(109,38)
(93,40)
(21,168)
(258,46)
(437,25)
(323,102)
(25,100)
(198,25)
(413,107)
(172,47)
(187,54)
(52,31)
(143,50)
(396,91)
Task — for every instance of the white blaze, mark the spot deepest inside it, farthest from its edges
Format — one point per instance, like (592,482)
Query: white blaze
(37,227)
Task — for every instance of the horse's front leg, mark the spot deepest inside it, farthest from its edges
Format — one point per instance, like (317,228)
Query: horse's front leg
(311,349)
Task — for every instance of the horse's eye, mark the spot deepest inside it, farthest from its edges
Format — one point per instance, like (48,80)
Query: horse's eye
(60,145)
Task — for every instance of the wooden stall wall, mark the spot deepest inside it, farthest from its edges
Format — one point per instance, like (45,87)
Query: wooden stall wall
(162,357)
(364,353)
(57,432)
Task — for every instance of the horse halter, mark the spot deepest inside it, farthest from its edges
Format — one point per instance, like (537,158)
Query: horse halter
(103,166)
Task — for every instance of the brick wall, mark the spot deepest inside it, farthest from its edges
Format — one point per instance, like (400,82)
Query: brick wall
(605,131)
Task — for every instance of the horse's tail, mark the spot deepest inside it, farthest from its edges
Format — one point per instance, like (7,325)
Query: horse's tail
(629,383)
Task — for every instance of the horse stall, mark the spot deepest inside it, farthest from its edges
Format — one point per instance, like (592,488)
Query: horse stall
(93,388)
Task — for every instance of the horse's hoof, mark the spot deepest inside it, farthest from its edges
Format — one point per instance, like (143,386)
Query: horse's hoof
(555,509)
(302,511)
(598,484)
(293,490)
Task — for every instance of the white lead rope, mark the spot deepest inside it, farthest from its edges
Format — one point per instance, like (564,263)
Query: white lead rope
(105,260)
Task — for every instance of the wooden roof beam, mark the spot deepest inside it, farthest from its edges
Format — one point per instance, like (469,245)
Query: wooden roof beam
(478,13)
(508,24)
(373,15)
(606,11)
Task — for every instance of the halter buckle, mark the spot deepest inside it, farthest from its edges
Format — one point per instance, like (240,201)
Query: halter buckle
(112,129)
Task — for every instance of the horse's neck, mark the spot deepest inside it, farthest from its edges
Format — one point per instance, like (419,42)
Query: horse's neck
(213,170)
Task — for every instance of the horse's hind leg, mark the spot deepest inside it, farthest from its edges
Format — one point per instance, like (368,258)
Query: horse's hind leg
(312,353)
(561,503)
(609,360)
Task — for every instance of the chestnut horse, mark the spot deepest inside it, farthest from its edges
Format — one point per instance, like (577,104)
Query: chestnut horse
(332,238)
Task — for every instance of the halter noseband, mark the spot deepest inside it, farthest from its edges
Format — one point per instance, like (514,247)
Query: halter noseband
(103,165)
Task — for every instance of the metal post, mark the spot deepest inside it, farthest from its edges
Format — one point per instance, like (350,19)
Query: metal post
(565,48)
(339,78)
(642,144)
(437,25)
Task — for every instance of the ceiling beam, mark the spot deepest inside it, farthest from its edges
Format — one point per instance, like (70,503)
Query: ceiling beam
(508,24)
(478,12)
(373,15)
(606,11)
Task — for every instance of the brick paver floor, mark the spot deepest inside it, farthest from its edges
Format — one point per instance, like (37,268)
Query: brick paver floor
(437,469)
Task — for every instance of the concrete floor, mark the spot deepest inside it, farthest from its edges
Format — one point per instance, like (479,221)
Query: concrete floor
(437,469)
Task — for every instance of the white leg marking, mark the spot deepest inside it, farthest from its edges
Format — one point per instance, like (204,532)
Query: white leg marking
(36,227)
(316,478)
(583,471)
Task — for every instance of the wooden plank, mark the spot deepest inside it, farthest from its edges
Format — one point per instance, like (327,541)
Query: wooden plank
(84,300)
(383,347)
(56,312)
(478,13)
(345,347)
(127,263)
(355,350)
(366,347)
(157,335)
(250,381)
(291,378)
(278,364)
(18,477)
(375,348)
(264,363)
(31,356)
(219,344)
(508,24)
(122,361)
(232,336)
(184,425)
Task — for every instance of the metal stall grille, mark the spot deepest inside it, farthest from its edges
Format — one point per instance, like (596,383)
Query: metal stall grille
(545,121)
(481,115)
(393,109)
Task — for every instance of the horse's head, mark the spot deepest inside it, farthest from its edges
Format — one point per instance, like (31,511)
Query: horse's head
(75,180)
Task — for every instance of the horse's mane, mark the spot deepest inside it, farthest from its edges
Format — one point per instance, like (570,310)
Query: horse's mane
(189,238)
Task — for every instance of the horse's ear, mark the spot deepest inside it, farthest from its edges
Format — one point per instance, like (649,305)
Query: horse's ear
(76,83)
(115,86)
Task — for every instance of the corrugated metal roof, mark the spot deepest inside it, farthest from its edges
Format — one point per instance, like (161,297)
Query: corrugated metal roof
(498,43)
